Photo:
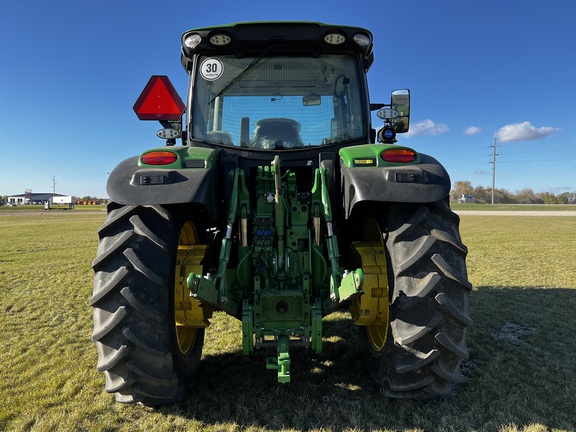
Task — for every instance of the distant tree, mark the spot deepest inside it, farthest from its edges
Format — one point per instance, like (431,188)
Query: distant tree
(482,195)
(549,198)
(461,187)
(504,196)
(563,198)
(526,196)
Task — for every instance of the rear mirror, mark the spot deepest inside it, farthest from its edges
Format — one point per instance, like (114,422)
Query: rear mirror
(400,102)
(396,116)
(311,100)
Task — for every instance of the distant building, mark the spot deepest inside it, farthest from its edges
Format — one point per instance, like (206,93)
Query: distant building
(33,198)
(466,199)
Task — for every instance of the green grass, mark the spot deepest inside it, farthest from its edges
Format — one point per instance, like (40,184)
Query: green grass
(521,369)
(53,209)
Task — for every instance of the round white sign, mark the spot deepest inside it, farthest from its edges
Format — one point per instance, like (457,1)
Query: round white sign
(211,69)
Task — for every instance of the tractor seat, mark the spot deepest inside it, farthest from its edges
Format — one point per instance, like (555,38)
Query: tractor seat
(277,133)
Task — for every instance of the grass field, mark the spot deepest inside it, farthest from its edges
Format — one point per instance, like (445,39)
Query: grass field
(514,207)
(521,373)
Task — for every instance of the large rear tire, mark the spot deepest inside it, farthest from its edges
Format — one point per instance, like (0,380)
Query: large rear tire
(428,311)
(144,354)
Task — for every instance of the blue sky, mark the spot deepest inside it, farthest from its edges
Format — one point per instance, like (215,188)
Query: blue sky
(70,72)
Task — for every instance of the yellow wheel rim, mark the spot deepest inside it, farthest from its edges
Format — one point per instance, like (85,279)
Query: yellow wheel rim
(189,315)
(371,310)
(377,335)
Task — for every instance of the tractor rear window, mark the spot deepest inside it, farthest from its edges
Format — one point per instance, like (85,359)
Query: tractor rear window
(278,103)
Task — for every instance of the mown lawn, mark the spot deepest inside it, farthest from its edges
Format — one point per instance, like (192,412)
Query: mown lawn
(520,373)
(514,207)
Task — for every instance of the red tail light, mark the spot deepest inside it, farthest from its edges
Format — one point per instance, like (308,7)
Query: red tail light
(398,155)
(159,158)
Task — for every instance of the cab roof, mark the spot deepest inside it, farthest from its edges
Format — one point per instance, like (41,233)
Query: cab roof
(286,36)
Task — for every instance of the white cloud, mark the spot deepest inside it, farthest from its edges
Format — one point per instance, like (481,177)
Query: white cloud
(427,127)
(523,132)
(473,130)
(482,172)
(556,190)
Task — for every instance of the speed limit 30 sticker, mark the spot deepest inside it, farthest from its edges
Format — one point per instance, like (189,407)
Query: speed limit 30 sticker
(211,69)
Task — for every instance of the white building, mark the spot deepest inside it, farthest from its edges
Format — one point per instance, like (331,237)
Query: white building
(39,198)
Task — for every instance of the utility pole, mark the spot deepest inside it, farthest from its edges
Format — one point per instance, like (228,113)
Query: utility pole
(493,162)
(53,185)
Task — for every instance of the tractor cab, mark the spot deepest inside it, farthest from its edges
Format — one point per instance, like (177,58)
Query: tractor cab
(282,87)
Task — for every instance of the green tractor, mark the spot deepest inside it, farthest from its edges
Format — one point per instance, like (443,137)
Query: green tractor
(280,205)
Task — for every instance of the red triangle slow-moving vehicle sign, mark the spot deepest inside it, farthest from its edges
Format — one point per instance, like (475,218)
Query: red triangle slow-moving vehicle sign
(159,101)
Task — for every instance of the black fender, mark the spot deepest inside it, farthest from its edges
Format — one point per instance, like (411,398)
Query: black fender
(131,184)
(426,181)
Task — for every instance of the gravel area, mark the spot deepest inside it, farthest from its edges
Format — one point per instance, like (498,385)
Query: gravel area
(565,213)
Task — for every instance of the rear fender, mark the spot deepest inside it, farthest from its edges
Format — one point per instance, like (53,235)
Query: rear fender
(423,181)
(130,183)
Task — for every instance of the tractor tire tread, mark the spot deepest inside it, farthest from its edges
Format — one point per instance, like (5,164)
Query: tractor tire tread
(429,314)
(130,300)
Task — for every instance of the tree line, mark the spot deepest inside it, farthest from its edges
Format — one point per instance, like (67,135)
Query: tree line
(483,195)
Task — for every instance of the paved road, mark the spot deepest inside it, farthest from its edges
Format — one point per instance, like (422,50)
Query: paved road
(565,213)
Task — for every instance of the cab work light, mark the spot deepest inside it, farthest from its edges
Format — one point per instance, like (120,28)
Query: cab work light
(398,155)
(159,158)
(334,38)
(220,39)
(192,41)
(362,40)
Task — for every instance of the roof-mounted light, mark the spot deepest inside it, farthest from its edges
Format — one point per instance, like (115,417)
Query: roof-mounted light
(334,38)
(220,39)
(362,40)
(192,41)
